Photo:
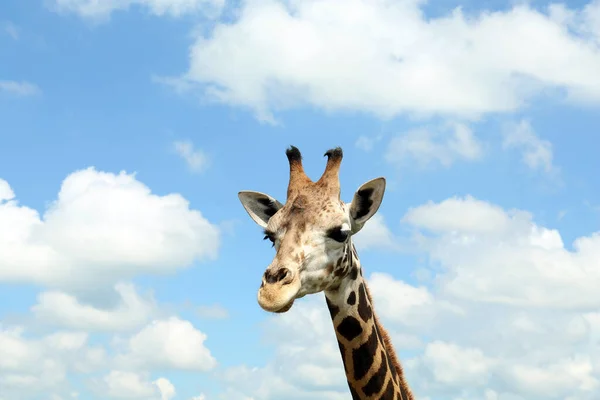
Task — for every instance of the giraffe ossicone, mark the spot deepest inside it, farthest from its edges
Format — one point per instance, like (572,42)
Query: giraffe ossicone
(312,235)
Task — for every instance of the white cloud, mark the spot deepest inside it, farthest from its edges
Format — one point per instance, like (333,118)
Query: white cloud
(591,19)
(195,159)
(167,390)
(509,259)
(102,228)
(6,192)
(19,88)
(537,153)
(375,235)
(133,385)
(427,148)
(307,363)
(562,377)
(65,310)
(121,384)
(103,9)
(31,366)
(170,343)
(329,55)
(399,301)
(459,214)
(36,366)
(454,369)
(16,353)
(528,302)
(451,364)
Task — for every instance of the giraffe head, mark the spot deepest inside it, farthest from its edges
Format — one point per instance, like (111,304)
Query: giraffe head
(311,232)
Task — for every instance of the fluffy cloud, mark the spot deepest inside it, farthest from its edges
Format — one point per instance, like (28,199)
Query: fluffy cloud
(66,310)
(170,343)
(307,363)
(166,388)
(30,366)
(528,304)
(427,148)
(19,88)
(453,365)
(537,153)
(504,257)
(103,228)
(6,192)
(131,385)
(102,9)
(387,58)
(405,304)
(35,366)
(468,372)
(450,216)
(375,235)
(195,159)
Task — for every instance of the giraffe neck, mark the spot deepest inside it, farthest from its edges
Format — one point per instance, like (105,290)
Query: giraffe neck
(372,369)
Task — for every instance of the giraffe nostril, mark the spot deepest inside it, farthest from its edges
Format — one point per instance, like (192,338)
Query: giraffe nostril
(278,275)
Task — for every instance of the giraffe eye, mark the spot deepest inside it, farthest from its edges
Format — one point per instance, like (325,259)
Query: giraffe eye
(338,234)
(270,236)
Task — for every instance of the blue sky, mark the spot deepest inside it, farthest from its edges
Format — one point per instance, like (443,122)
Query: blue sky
(148,117)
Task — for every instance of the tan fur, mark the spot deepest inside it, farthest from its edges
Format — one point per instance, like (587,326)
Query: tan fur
(330,178)
(298,178)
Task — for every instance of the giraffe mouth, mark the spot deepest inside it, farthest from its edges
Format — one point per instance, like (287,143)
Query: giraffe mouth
(277,298)
(285,308)
(276,308)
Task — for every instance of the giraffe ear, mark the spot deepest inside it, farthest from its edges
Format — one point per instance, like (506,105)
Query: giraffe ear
(366,202)
(261,207)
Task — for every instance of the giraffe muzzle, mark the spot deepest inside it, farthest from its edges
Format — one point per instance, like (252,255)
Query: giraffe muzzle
(278,290)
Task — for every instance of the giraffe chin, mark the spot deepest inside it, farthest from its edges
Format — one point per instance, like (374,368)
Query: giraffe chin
(285,308)
(277,309)
(278,298)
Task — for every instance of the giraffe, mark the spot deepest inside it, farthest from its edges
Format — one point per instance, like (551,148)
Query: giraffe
(312,235)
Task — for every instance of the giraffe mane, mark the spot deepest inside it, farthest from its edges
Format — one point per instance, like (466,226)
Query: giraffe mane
(387,343)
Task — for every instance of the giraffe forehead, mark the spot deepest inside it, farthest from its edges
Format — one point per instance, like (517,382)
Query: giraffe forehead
(310,209)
